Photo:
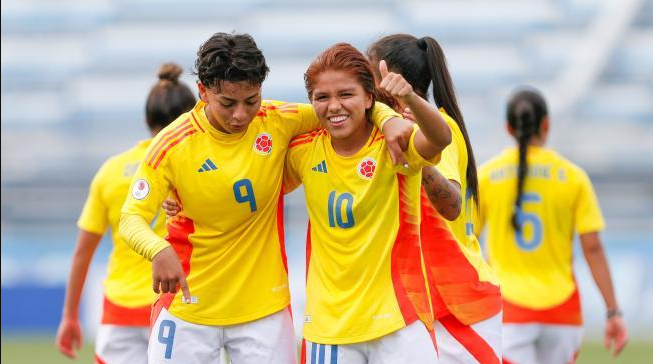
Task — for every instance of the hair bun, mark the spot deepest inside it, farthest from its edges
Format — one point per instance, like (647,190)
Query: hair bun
(170,71)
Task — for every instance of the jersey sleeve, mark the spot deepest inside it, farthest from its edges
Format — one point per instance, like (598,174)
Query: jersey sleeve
(587,213)
(94,217)
(301,118)
(448,165)
(415,160)
(149,188)
(138,234)
(296,159)
(296,118)
(382,113)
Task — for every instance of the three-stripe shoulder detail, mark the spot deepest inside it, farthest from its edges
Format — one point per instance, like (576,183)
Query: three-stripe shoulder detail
(306,138)
(168,140)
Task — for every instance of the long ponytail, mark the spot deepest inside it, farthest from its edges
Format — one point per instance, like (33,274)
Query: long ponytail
(414,59)
(526,110)
(444,96)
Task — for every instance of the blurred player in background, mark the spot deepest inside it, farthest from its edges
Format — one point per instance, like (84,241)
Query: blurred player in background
(365,295)
(123,334)
(223,162)
(533,200)
(464,290)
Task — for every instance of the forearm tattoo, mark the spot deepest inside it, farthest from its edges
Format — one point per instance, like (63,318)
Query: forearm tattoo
(440,191)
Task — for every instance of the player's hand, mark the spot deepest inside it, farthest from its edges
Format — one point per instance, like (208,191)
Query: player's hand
(69,337)
(397,132)
(408,114)
(616,335)
(167,274)
(171,207)
(395,84)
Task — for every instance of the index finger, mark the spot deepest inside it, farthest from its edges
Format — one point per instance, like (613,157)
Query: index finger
(396,154)
(184,289)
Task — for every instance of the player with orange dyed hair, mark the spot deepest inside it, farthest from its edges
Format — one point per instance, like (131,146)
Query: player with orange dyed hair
(222,268)
(365,294)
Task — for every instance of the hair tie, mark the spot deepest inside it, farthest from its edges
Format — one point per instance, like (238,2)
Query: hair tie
(421,43)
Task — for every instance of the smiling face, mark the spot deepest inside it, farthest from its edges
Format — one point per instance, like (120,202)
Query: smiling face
(232,106)
(340,103)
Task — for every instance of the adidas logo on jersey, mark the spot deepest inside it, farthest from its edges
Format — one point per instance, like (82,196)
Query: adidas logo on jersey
(321,167)
(207,166)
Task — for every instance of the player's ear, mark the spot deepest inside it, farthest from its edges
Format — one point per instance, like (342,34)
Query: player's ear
(202,90)
(369,102)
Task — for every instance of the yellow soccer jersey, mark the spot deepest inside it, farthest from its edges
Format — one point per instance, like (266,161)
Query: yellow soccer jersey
(453,166)
(229,235)
(465,281)
(362,280)
(129,279)
(535,265)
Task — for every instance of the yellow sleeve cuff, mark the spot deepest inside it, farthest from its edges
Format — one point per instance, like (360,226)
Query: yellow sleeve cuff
(140,237)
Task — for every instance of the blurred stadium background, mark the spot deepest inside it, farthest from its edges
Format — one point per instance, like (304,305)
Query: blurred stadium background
(75,77)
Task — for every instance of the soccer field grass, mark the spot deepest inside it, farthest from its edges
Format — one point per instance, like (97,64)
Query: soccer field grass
(40,350)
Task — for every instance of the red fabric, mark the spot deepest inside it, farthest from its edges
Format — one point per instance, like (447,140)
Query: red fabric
(113,314)
(455,285)
(470,340)
(163,302)
(567,313)
(98,360)
(407,277)
(302,358)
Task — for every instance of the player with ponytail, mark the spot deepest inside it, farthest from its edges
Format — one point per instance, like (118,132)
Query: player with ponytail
(464,291)
(533,201)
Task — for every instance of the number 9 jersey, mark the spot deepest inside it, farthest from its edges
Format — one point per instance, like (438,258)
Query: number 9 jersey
(534,264)
(229,234)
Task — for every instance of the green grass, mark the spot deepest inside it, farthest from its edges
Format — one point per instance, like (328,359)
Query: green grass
(634,353)
(41,349)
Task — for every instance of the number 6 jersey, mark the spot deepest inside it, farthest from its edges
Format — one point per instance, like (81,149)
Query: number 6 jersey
(534,265)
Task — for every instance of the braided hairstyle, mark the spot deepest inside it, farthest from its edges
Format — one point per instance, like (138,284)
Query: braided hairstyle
(525,112)
(422,62)
(168,98)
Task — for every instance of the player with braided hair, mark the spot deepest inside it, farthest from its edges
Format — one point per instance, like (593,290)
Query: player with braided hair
(533,201)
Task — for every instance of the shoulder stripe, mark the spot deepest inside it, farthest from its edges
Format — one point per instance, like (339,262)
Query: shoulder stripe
(162,145)
(300,142)
(282,108)
(197,122)
(310,134)
(169,146)
(373,138)
(288,106)
(164,137)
